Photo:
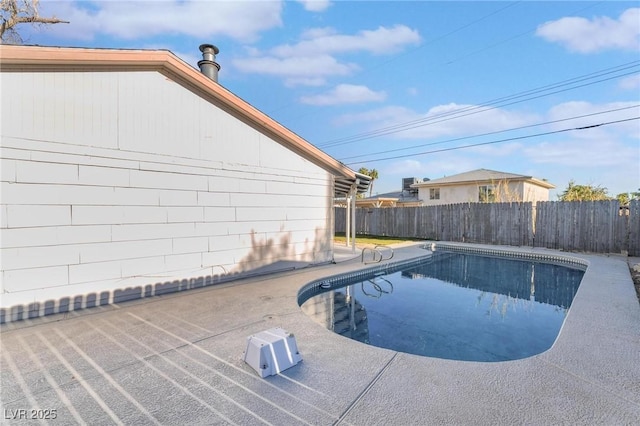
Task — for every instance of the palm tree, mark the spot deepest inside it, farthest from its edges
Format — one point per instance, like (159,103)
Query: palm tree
(373,173)
(363,171)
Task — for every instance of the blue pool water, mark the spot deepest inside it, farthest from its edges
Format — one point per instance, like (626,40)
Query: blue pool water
(453,305)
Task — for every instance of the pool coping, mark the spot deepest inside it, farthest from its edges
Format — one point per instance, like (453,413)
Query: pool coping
(589,376)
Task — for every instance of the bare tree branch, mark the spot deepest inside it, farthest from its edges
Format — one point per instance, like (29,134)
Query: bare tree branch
(16,12)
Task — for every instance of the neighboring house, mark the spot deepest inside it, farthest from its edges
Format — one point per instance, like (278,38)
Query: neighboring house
(129,173)
(482,185)
(390,199)
(407,197)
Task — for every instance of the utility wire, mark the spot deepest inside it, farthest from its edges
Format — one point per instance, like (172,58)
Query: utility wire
(489,105)
(433,40)
(498,43)
(449,115)
(497,141)
(396,57)
(490,133)
(429,42)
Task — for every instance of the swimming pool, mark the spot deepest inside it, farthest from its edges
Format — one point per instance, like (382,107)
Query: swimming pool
(451,304)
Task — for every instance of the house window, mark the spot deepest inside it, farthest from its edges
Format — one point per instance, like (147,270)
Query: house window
(434,193)
(487,194)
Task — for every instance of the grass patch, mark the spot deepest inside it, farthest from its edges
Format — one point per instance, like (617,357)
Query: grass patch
(373,239)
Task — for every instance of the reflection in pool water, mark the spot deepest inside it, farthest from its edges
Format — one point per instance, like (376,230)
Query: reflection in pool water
(454,306)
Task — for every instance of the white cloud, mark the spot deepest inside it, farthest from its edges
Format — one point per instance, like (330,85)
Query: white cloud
(379,117)
(305,81)
(380,41)
(610,151)
(412,91)
(313,59)
(82,22)
(619,111)
(601,33)
(137,19)
(296,69)
(630,83)
(317,32)
(345,94)
(586,153)
(315,5)
(611,146)
(440,121)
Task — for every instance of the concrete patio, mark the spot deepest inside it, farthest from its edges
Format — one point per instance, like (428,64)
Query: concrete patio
(177,359)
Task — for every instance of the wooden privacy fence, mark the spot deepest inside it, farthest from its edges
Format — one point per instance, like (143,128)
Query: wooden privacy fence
(591,226)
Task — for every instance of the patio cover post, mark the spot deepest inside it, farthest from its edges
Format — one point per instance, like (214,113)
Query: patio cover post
(347,228)
(354,191)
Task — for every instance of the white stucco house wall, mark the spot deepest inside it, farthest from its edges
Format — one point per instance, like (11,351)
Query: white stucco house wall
(482,185)
(129,173)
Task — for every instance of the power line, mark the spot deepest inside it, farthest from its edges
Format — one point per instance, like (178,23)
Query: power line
(411,51)
(491,133)
(497,141)
(482,18)
(396,57)
(491,46)
(491,104)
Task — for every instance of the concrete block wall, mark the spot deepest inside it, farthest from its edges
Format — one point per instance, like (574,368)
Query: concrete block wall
(95,211)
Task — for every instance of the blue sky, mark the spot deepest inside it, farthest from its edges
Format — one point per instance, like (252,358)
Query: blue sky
(412,88)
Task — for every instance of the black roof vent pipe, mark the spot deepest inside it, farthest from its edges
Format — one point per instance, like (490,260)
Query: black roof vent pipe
(208,65)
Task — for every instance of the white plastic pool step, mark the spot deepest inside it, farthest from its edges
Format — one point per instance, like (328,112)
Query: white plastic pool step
(271,351)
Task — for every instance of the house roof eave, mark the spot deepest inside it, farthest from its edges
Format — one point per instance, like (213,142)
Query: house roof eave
(483,181)
(478,180)
(38,58)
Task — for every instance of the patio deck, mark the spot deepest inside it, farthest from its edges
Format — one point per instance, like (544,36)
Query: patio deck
(177,359)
